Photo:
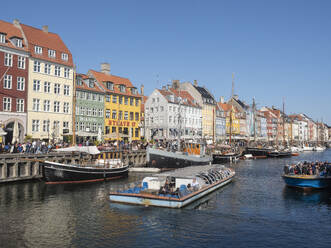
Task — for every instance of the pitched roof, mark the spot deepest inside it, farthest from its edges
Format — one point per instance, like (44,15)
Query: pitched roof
(183,94)
(142,105)
(204,92)
(85,85)
(226,107)
(47,40)
(102,78)
(11,31)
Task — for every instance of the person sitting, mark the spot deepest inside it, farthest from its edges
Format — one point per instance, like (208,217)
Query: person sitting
(195,184)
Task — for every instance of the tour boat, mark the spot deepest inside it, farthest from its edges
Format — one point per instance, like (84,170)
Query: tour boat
(93,169)
(319,148)
(177,188)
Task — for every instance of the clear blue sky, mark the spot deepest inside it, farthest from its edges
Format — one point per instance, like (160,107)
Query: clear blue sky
(275,48)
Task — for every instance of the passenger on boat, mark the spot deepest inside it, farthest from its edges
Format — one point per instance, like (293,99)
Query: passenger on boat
(195,184)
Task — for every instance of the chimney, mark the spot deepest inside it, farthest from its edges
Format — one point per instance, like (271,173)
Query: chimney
(142,89)
(45,29)
(222,99)
(164,87)
(195,83)
(175,84)
(105,68)
(16,23)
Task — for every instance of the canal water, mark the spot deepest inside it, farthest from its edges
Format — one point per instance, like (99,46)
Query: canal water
(256,210)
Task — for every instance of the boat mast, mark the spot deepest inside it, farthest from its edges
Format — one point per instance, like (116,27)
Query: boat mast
(74,109)
(283,121)
(232,92)
(179,119)
(254,119)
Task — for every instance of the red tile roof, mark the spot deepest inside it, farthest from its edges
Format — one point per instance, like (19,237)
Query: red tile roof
(142,106)
(102,78)
(85,85)
(11,31)
(226,107)
(37,37)
(183,94)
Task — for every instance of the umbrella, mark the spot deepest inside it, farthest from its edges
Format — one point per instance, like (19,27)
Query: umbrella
(99,138)
(15,133)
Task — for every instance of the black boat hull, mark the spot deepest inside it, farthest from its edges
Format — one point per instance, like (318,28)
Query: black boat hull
(61,173)
(222,159)
(256,152)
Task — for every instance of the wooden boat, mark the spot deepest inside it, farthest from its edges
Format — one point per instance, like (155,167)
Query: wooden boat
(93,170)
(191,184)
(220,158)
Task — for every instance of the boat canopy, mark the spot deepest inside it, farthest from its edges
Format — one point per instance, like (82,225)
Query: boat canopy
(93,150)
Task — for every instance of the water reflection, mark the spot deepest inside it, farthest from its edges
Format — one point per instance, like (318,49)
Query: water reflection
(322,196)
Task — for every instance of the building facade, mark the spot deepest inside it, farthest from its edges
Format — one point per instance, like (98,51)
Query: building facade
(89,114)
(122,105)
(14,68)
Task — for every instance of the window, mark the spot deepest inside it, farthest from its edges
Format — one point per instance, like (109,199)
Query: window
(64,56)
(107,113)
(35,105)
(91,83)
(6,104)
(113,129)
(109,85)
(35,125)
(18,42)
(57,71)
(122,88)
(47,105)
(47,69)
(66,72)
(114,99)
(8,59)
(46,125)
(100,98)
(7,82)
(126,115)
(82,95)
(20,105)
(81,111)
(137,102)
(82,126)
(126,99)
(20,83)
(94,97)
(131,101)
(89,112)
(36,66)
(88,96)
(114,113)
(94,127)
(2,38)
(94,112)
(170,119)
(100,113)
(120,115)
(51,53)
(66,107)
(161,108)
(107,130)
(120,130)
(107,98)
(38,50)
(47,87)
(57,88)
(120,99)
(153,100)
(170,108)
(136,132)
(21,62)
(137,116)
(66,91)
(131,116)
(56,106)
(66,124)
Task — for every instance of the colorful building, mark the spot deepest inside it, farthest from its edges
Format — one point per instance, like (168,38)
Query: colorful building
(50,94)
(14,68)
(89,114)
(122,105)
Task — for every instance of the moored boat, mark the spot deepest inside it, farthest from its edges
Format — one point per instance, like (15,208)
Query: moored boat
(229,157)
(308,175)
(176,189)
(95,169)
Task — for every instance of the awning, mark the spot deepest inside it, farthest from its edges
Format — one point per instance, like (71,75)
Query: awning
(86,134)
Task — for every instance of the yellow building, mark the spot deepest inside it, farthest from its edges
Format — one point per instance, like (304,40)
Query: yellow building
(50,84)
(122,105)
(235,120)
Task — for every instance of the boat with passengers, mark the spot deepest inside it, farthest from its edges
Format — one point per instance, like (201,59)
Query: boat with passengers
(307,175)
(177,188)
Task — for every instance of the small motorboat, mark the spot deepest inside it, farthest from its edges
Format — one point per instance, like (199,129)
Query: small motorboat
(177,188)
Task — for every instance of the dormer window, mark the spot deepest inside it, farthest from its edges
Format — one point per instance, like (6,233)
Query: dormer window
(79,82)
(17,42)
(64,56)
(2,38)
(122,88)
(134,91)
(91,83)
(38,50)
(51,53)
(110,85)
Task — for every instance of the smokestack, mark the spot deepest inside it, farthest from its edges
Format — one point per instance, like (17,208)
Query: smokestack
(222,99)
(142,89)
(45,29)
(105,68)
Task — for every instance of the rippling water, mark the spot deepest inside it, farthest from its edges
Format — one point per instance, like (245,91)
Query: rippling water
(256,210)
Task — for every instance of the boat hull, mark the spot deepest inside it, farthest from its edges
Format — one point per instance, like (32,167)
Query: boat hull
(307,181)
(164,159)
(257,152)
(168,202)
(221,159)
(62,173)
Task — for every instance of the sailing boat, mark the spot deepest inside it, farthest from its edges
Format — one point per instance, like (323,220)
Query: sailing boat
(174,156)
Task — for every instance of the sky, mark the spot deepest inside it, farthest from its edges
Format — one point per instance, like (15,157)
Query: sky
(276,49)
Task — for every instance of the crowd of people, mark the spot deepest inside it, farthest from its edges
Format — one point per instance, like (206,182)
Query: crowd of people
(34,147)
(309,168)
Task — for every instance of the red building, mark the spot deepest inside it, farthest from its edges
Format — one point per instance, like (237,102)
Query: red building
(13,81)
